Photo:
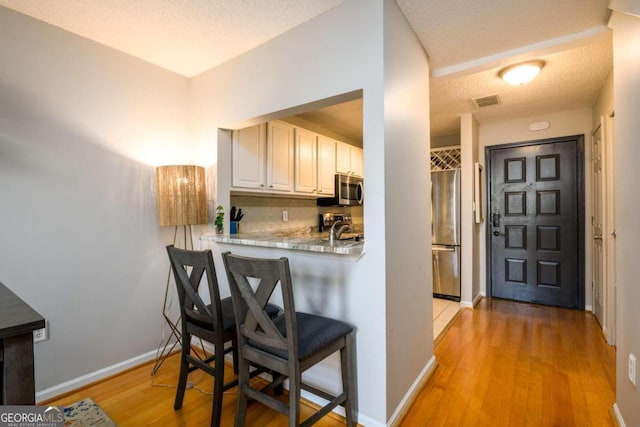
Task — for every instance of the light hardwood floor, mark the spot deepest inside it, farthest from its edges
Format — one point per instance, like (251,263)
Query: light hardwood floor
(503,364)
(133,399)
(513,364)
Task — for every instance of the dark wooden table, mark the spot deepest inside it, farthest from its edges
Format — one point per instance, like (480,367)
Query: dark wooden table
(17,323)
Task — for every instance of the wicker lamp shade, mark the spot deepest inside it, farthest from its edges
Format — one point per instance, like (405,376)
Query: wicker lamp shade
(182,195)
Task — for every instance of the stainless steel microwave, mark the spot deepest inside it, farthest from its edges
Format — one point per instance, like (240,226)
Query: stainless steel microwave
(348,191)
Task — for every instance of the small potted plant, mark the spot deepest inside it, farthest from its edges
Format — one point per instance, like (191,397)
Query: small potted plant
(219,219)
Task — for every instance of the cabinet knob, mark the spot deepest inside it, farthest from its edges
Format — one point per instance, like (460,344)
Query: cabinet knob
(271,186)
(319,191)
(261,185)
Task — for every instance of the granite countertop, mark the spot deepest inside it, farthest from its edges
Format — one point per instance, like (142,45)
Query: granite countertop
(313,242)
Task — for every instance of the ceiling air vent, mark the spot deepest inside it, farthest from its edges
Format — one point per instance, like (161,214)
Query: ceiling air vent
(486,101)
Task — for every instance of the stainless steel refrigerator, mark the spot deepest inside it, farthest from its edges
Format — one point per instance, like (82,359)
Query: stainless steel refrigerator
(445,233)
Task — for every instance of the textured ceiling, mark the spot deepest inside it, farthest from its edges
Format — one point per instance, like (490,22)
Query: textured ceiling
(570,79)
(467,42)
(457,31)
(187,37)
(344,119)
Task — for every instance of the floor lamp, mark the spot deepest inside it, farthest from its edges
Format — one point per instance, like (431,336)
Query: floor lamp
(182,202)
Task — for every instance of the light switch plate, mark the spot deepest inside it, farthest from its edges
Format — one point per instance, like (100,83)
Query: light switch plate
(632,368)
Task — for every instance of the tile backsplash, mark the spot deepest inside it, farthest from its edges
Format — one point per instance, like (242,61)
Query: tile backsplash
(264,214)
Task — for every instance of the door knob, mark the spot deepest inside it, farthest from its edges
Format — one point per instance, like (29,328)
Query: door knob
(497,233)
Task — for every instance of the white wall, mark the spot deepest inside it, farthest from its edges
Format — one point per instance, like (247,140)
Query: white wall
(626,63)
(80,127)
(337,52)
(604,103)
(469,230)
(574,122)
(445,141)
(340,52)
(407,207)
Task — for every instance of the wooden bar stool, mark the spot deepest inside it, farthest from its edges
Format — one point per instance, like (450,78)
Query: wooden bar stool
(288,344)
(214,323)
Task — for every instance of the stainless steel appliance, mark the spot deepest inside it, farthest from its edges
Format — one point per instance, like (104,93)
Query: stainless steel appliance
(445,233)
(348,191)
(327,219)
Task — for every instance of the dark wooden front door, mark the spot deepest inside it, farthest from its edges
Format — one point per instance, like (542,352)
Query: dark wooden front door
(535,226)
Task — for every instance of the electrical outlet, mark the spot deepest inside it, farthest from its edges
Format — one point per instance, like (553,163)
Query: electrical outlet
(40,334)
(285,215)
(632,369)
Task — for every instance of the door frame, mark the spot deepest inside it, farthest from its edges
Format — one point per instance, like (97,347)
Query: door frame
(580,199)
(611,279)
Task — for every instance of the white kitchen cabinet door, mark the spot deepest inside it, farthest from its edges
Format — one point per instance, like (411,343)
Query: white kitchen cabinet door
(343,158)
(248,153)
(306,163)
(357,162)
(280,154)
(326,166)
(349,159)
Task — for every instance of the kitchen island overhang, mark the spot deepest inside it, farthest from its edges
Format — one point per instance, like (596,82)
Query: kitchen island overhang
(312,243)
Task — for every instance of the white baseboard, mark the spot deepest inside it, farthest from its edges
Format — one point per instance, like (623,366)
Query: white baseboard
(412,393)
(92,377)
(472,304)
(404,405)
(588,308)
(619,419)
(362,419)
(477,299)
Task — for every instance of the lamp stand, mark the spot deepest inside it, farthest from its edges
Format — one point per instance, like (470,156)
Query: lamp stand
(166,347)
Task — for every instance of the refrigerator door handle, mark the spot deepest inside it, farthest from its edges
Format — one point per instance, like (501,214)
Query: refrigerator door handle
(443,248)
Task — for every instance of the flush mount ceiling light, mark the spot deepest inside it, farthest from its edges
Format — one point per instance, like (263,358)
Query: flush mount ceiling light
(520,74)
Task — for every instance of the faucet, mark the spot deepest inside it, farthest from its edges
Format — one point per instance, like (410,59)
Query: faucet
(336,233)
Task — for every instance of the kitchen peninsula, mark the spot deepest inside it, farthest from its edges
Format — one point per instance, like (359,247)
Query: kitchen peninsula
(318,243)
(266,175)
(326,281)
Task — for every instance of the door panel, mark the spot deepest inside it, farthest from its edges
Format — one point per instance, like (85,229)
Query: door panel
(597,227)
(534,235)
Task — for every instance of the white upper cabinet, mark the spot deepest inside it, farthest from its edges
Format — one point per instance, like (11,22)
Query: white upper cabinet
(357,161)
(248,153)
(277,157)
(280,160)
(349,159)
(343,158)
(326,166)
(306,163)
